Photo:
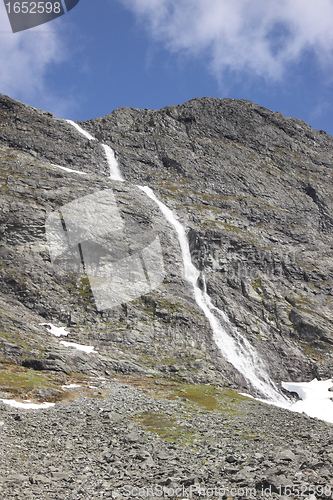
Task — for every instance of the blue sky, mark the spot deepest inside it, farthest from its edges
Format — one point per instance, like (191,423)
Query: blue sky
(104,54)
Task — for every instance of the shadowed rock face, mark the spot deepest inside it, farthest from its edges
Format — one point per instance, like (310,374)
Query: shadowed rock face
(254,192)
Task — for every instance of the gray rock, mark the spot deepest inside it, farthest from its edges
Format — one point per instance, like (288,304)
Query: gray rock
(250,293)
(285,455)
(15,478)
(148,462)
(47,394)
(40,441)
(59,476)
(39,479)
(132,437)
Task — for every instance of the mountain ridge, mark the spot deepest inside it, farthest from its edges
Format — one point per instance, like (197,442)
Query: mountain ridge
(253,191)
(150,407)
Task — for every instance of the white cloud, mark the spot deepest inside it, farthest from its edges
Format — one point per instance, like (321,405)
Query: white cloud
(260,36)
(25,58)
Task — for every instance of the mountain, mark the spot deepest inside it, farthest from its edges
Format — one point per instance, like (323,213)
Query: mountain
(252,189)
(152,263)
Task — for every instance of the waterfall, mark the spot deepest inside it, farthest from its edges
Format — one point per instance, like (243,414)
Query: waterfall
(238,351)
(235,348)
(115,173)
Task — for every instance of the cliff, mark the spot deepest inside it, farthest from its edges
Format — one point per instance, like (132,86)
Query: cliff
(251,187)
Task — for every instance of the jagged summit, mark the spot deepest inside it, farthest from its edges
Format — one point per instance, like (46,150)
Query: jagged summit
(236,119)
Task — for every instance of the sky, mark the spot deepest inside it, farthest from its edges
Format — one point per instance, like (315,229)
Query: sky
(105,54)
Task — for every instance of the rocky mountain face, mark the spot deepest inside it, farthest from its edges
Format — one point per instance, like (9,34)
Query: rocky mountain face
(253,190)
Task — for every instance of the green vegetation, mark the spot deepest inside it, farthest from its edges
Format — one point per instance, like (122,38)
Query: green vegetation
(18,380)
(165,426)
(177,427)
(203,395)
(23,383)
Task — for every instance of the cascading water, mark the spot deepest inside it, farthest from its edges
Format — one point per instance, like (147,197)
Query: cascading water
(115,173)
(236,349)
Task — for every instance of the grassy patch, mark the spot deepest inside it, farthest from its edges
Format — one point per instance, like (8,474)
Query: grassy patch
(167,427)
(23,383)
(206,397)
(178,427)
(203,395)
(16,379)
(210,398)
(164,425)
(256,285)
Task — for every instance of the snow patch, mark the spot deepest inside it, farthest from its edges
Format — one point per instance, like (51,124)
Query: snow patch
(69,169)
(83,132)
(85,348)
(315,398)
(70,386)
(58,331)
(26,406)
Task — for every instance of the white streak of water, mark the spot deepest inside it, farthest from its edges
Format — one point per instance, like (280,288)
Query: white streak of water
(235,348)
(115,173)
(239,351)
